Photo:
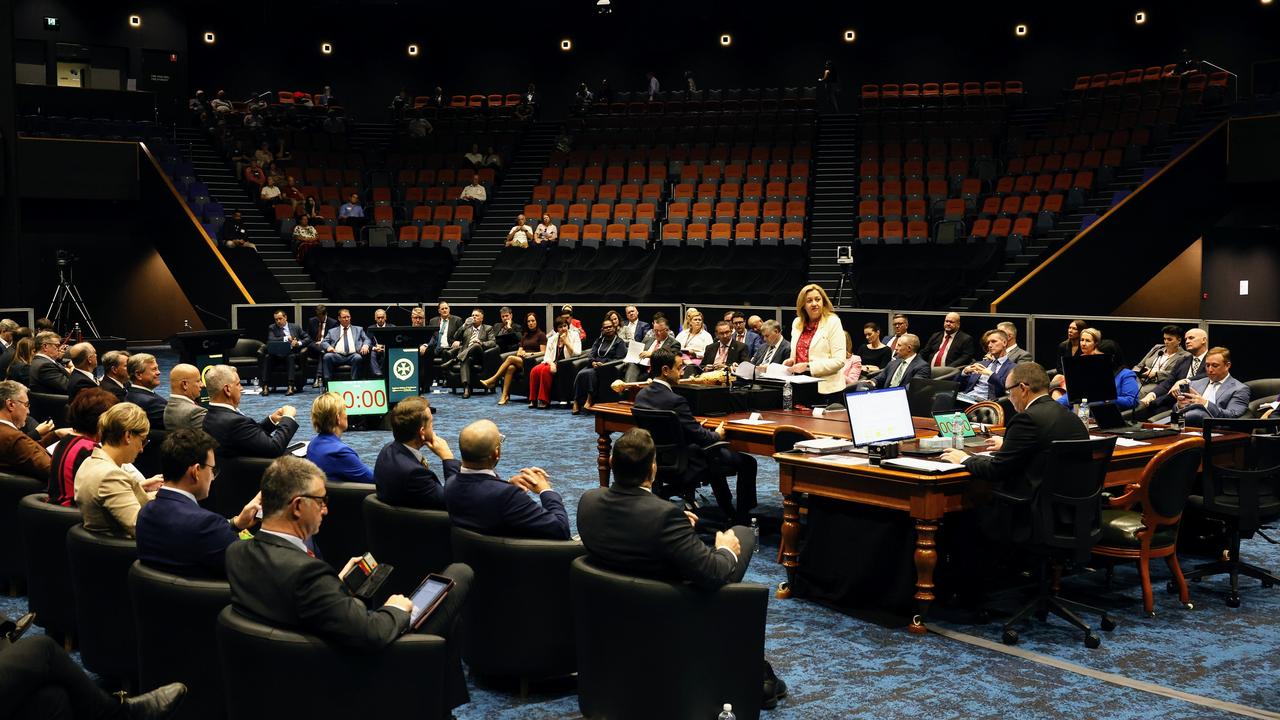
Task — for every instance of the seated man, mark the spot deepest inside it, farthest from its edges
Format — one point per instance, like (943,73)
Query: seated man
(480,501)
(352,213)
(473,339)
(144,378)
(984,379)
(401,473)
(115,373)
(1011,350)
(626,528)
(774,348)
(237,435)
(378,354)
(660,339)
(1190,368)
(345,344)
(318,326)
(275,579)
(184,409)
(606,349)
(283,331)
(84,360)
(714,466)
(174,533)
(475,193)
(633,329)
(1217,395)
(446,340)
(745,335)
(726,352)
(904,367)
(48,372)
(19,454)
(234,233)
(950,346)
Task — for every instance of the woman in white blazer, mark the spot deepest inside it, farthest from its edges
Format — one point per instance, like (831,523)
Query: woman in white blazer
(563,344)
(817,341)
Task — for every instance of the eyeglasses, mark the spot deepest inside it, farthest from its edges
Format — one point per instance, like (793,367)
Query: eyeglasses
(213,467)
(501,438)
(321,500)
(24,403)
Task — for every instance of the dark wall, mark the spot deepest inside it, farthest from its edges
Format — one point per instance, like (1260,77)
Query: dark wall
(1232,255)
(77,170)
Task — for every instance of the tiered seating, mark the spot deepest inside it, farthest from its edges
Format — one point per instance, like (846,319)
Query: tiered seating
(470,104)
(951,94)
(734,101)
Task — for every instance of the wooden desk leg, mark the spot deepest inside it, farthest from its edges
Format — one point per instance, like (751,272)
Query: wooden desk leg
(603,444)
(790,538)
(926,557)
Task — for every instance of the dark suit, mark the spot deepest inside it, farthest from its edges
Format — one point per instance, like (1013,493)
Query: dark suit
(959,353)
(641,331)
(356,339)
(377,359)
(474,341)
(1019,465)
(782,352)
(77,382)
(631,530)
(488,505)
(403,481)
(6,358)
(151,402)
(178,536)
(917,368)
(275,333)
(46,376)
(1188,368)
(736,353)
(316,330)
(713,466)
(445,336)
(634,372)
(752,340)
(995,383)
(114,387)
(603,351)
(240,436)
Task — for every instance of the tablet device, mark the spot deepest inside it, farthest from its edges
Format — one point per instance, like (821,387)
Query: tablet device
(428,597)
(279,348)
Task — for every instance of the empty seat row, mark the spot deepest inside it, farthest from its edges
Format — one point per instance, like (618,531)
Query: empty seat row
(769,233)
(1020,206)
(428,235)
(1082,142)
(738,154)
(913,170)
(1071,162)
(710,171)
(426,177)
(890,92)
(1045,183)
(908,190)
(935,150)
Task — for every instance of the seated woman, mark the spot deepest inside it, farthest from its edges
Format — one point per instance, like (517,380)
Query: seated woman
(1071,346)
(560,346)
(22,355)
(109,495)
(694,338)
(875,354)
(336,458)
(533,345)
(73,449)
(1091,343)
(304,236)
(817,342)
(546,232)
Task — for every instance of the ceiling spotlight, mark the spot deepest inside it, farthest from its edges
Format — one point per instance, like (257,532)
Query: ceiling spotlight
(135,21)
(566,44)
(1139,18)
(1266,2)
(326,49)
(726,40)
(209,38)
(413,51)
(850,36)
(604,7)
(1020,30)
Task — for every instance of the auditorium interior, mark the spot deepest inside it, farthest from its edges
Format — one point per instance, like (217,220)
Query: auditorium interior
(173,174)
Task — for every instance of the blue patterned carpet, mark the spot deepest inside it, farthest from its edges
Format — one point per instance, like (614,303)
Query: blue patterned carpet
(840,666)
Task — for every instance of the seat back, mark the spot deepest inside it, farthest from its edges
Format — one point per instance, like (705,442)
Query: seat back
(99,566)
(403,679)
(342,536)
(415,542)
(44,537)
(617,618)
(785,437)
(668,439)
(13,564)
(1067,509)
(498,642)
(985,412)
(239,479)
(49,405)
(1167,481)
(173,614)
(1248,493)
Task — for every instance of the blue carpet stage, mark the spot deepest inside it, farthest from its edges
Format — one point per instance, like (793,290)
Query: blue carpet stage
(840,666)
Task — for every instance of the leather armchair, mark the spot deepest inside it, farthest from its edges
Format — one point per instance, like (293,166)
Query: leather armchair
(987,412)
(49,405)
(672,453)
(342,537)
(239,479)
(174,615)
(13,564)
(104,614)
(1261,391)
(44,537)
(498,642)
(943,373)
(315,679)
(415,542)
(246,358)
(695,650)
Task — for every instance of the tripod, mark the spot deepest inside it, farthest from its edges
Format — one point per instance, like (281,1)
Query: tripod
(66,293)
(844,259)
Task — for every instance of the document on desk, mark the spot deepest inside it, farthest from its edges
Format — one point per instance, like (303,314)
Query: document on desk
(851,460)
(302,451)
(633,353)
(753,419)
(1130,442)
(745,370)
(929,466)
(778,371)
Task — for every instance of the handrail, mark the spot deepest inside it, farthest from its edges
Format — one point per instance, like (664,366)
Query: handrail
(995,304)
(196,223)
(1219,68)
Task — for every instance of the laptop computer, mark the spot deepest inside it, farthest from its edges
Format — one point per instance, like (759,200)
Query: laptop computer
(1109,420)
(959,420)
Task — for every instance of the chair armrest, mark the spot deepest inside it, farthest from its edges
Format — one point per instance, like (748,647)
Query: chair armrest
(716,445)
(1011,498)
(1126,500)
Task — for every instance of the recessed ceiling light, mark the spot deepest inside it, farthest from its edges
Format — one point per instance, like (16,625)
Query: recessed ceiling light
(210,38)
(726,40)
(1020,30)
(850,36)
(326,48)
(1139,18)
(135,21)
(413,50)
(566,44)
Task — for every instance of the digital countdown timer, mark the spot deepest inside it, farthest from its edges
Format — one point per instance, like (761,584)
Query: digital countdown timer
(362,397)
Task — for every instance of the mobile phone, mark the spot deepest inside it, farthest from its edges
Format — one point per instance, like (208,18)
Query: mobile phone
(21,626)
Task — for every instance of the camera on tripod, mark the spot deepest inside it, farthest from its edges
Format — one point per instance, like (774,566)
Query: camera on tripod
(65,257)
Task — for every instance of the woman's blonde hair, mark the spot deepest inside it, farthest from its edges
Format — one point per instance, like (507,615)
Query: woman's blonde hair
(1095,333)
(119,419)
(325,412)
(827,308)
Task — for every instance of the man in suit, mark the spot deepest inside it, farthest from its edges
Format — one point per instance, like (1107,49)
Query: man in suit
(713,466)
(8,332)
(1161,359)
(984,379)
(19,454)
(345,344)
(115,373)
(401,473)
(174,533)
(479,500)
(48,373)
(726,352)
(1188,369)
(745,335)
(626,528)
(275,579)
(378,355)
(900,327)
(1218,394)
(607,348)
(904,367)
(949,347)
(283,331)
(184,409)
(474,337)
(634,329)
(660,340)
(84,360)
(237,435)
(450,329)
(318,326)
(774,348)
(144,378)
(1012,351)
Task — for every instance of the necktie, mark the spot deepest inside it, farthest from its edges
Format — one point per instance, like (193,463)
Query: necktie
(1195,368)
(769,355)
(309,552)
(893,342)
(721,355)
(896,380)
(344,346)
(942,351)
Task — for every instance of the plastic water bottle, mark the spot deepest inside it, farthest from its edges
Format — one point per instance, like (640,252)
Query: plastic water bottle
(957,436)
(1176,419)
(755,530)
(1083,411)
(787,403)
(727,713)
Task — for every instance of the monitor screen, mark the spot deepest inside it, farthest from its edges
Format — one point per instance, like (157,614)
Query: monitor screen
(879,416)
(1089,377)
(362,397)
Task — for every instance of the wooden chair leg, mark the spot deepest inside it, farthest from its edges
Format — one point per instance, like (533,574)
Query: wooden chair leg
(1184,593)
(1144,571)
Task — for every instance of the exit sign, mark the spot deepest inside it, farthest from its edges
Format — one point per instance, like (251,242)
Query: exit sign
(51,23)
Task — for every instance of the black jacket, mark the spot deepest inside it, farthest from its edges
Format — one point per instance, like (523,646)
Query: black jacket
(240,436)
(404,482)
(151,402)
(1019,465)
(47,376)
(959,354)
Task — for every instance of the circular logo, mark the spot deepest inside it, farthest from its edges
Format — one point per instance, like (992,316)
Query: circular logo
(403,369)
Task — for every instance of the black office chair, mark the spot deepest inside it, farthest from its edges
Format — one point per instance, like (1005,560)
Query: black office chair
(1263,390)
(415,542)
(49,406)
(104,614)
(987,412)
(673,454)
(239,479)
(943,373)
(13,564)
(343,535)
(246,358)
(148,461)
(50,594)
(1245,498)
(1065,515)
(922,396)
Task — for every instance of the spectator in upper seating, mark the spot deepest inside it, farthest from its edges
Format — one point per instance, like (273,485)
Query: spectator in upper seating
(275,174)
(653,86)
(20,454)
(604,93)
(950,346)
(521,234)
(184,409)
(19,368)
(336,458)
(475,193)
(324,98)
(309,208)
(438,100)
(584,96)
(304,236)
(1012,351)
(74,447)
(334,124)
(533,346)
(694,338)
(1217,394)
(84,359)
(401,473)
(115,373)
(400,103)
(220,103)
(253,120)
(1160,360)
(474,158)
(492,159)
(690,82)
(351,212)
(546,231)
(49,372)
(289,192)
(745,335)
(264,155)
(144,378)
(254,173)
(109,496)
(300,99)
(830,83)
(419,126)
(198,104)
(270,193)
(237,435)
(875,354)
(345,344)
